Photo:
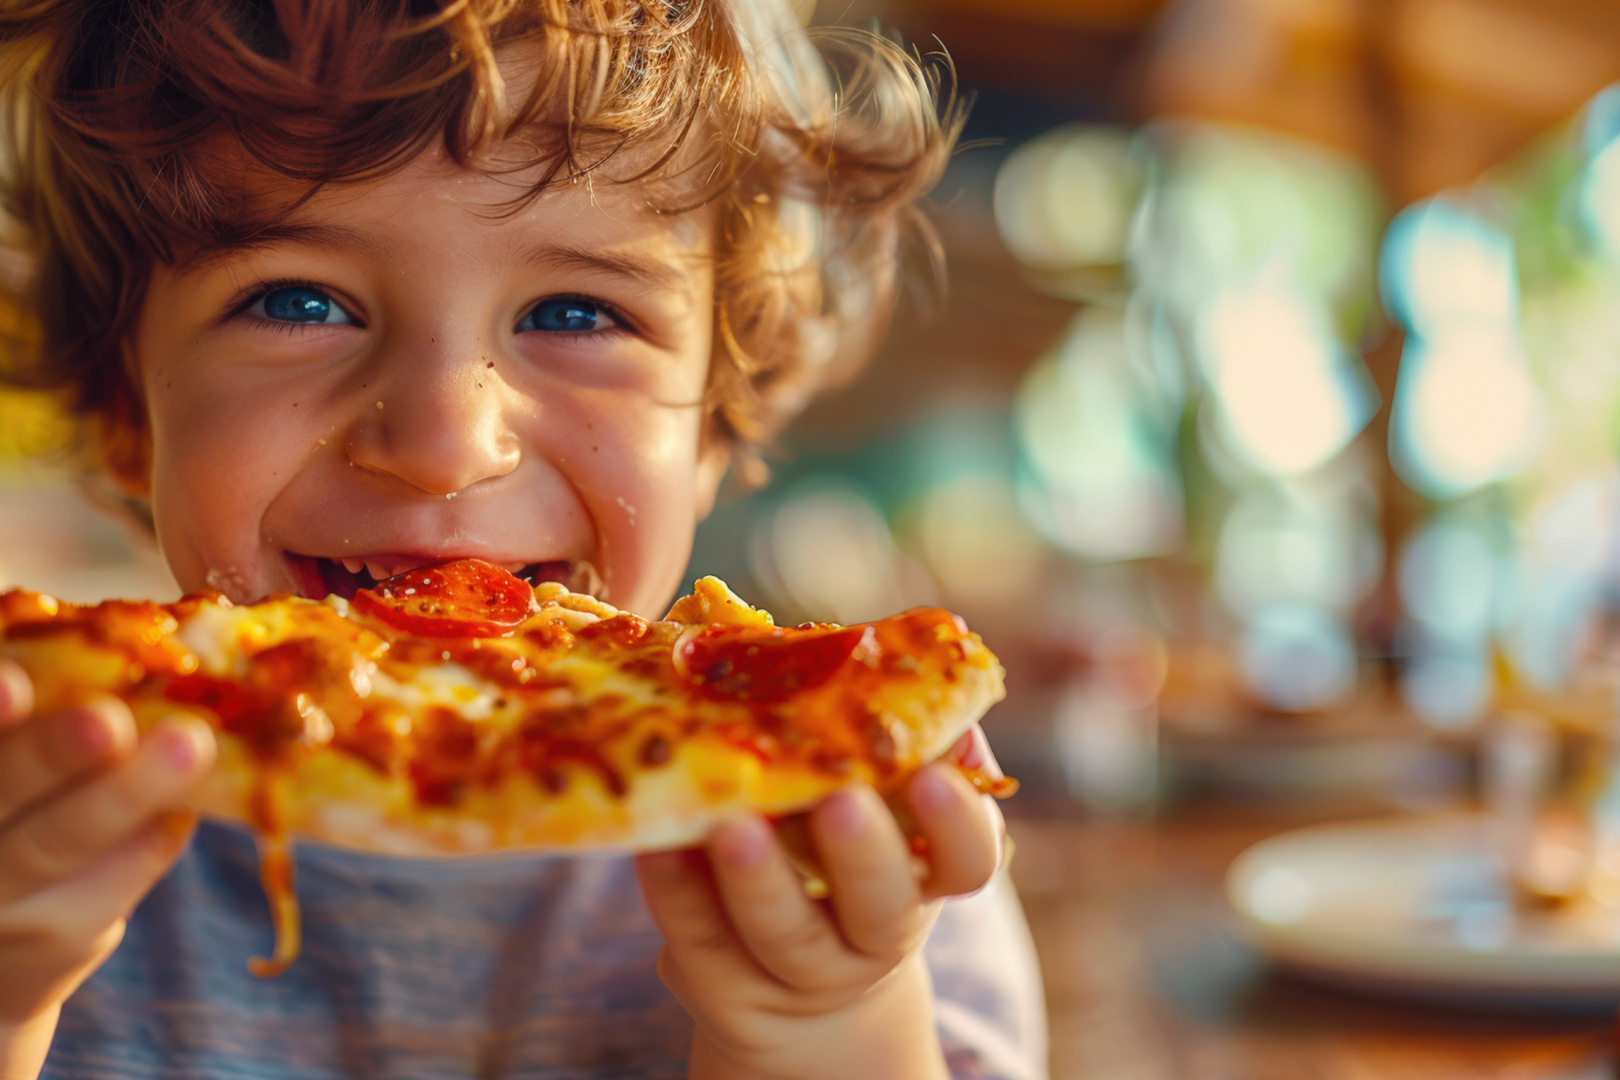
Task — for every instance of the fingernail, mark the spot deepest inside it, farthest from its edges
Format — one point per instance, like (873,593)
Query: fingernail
(978,755)
(16,692)
(931,792)
(178,746)
(743,843)
(92,733)
(843,813)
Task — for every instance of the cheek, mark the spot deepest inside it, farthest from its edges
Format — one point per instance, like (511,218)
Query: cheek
(222,447)
(635,466)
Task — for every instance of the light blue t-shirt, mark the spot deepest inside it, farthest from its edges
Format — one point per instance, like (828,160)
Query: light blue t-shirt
(537,967)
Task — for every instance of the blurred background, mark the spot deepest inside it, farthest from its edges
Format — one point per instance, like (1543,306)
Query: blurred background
(1270,432)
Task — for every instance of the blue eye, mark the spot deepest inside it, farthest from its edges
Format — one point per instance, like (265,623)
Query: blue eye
(565,315)
(300,304)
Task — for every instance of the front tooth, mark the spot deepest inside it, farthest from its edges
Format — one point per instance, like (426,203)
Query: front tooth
(378,571)
(354,566)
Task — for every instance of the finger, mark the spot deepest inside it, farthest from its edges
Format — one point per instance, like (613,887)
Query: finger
(16,693)
(62,835)
(681,896)
(72,926)
(49,751)
(787,933)
(109,887)
(701,951)
(972,751)
(963,830)
(868,862)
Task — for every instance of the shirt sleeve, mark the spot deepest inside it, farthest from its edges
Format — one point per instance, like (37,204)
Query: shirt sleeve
(988,1000)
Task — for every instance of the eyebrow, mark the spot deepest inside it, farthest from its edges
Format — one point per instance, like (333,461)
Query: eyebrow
(331,237)
(655,272)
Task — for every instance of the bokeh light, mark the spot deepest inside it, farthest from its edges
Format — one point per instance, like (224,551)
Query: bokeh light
(973,538)
(1568,568)
(1066,199)
(1467,412)
(1101,480)
(1287,395)
(1455,581)
(825,551)
(1443,265)
(1232,202)
(1598,193)
(1287,549)
(1298,658)
(1452,578)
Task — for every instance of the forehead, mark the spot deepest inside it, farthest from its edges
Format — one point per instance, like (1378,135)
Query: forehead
(434,207)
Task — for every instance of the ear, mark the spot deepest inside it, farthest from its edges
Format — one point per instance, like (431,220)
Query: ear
(126,451)
(125,438)
(714,458)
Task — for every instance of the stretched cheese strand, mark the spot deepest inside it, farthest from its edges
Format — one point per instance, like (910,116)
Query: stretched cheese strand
(276,875)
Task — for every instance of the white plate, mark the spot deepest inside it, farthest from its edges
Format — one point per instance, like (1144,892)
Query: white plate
(1419,906)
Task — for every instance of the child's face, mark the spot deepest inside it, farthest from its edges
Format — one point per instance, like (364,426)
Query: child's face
(406,377)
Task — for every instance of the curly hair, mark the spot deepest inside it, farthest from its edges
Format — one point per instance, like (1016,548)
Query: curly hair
(136,133)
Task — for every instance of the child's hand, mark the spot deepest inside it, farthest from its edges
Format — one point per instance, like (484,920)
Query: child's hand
(788,988)
(86,830)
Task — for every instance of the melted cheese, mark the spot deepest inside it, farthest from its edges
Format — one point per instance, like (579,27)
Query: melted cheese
(584,726)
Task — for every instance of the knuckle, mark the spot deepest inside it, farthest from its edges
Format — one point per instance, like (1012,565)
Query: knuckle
(887,943)
(53,932)
(40,848)
(673,975)
(794,939)
(55,743)
(713,937)
(16,691)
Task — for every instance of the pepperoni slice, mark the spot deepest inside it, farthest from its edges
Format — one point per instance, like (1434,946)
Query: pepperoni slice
(747,665)
(460,599)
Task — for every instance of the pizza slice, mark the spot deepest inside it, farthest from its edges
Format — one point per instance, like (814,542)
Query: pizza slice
(455,709)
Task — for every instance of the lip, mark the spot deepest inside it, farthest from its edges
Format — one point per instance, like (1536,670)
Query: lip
(318,576)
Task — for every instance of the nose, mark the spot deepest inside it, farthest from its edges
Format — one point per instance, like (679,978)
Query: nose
(438,422)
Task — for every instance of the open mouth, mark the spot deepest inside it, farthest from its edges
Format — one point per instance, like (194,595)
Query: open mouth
(319,577)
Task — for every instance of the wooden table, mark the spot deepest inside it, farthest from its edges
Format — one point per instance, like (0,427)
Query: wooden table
(1142,983)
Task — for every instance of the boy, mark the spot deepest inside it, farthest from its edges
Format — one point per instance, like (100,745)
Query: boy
(345,287)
